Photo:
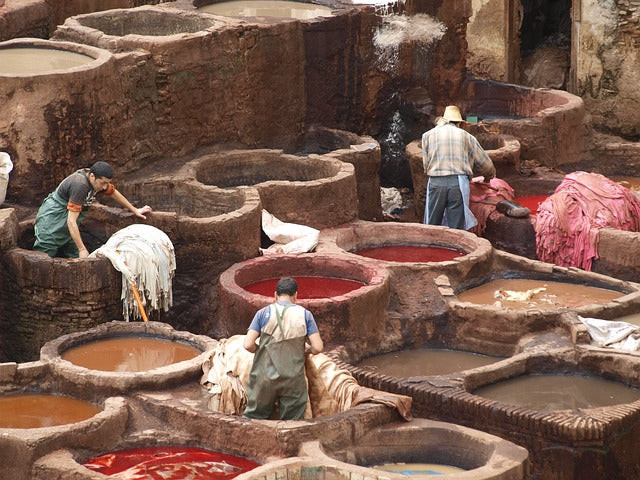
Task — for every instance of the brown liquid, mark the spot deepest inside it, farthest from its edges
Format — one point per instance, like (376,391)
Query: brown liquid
(418,468)
(425,361)
(35,411)
(26,60)
(559,392)
(634,319)
(555,294)
(267,8)
(129,354)
(632,183)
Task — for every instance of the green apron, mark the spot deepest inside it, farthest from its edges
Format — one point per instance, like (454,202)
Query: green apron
(277,373)
(51,231)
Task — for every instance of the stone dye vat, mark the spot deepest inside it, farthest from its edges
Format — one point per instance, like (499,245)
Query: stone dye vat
(127,356)
(476,454)
(338,317)
(415,305)
(504,151)
(281,9)
(50,100)
(315,191)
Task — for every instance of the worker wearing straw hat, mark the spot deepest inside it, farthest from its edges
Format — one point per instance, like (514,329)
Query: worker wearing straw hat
(56,227)
(450,156)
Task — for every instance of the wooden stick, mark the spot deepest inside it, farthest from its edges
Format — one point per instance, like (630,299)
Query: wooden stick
(140,306)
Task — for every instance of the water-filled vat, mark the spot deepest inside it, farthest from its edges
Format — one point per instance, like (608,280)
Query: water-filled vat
(478,454)
(339,317)
(118,374)
(36,410)
(171,462)
(32,61)
(317,191)
(280,9)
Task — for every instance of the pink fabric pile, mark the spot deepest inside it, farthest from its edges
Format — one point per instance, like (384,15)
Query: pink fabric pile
(483,199)
(568,221)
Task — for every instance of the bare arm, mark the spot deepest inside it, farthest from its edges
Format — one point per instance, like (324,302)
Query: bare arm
(316,343)
(122,200)
(250,340)
(74,231)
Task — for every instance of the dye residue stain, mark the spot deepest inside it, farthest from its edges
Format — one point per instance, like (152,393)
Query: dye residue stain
(308,287)
(170,463)
(43,410)
(425,361)
(129,354)
(419,468)
(532,202)
(411,253)
(559,392)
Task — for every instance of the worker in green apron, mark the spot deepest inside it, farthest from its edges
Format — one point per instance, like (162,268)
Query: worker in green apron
(56,227)
(277,373)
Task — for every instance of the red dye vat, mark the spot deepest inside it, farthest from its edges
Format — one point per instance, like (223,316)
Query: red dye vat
(411,253)
(308,287)
(532,202)
(170,463)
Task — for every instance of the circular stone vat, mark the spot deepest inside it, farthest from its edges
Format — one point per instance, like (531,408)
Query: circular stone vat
(36,410)
(425,361)
(315,191)
(478,454)
(339,317)
(559,392)
(280,9)
(166,461)
(127,369)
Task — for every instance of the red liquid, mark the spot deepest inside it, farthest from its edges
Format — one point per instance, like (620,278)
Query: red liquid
(411,253)
(308,287)
(532,202)
(170,463)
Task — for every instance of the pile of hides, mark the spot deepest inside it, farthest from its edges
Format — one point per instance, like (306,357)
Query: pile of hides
(146,258)
(568,221)
(331,389)
(613,334)
(484,196)
(289,238)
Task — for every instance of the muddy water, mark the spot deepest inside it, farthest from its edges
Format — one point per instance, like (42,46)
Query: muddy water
(418,468)
(40,410)
(532,202)
(525,293)
(129,354)
(308,287)
(170,463)
(633,318)
(267,8)
(29,60)
(632,183)
(425,361)
(410,253)
(559,392)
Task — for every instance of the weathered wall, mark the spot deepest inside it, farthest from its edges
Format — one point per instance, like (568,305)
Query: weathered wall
(486,34)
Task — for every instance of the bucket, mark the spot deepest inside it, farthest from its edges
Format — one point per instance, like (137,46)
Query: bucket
(5,167)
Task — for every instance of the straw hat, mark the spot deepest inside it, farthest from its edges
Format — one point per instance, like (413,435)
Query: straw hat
(452,114)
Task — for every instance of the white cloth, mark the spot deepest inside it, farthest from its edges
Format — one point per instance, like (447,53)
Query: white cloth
(146,258)
(390,199)
(288,237)
(613,334)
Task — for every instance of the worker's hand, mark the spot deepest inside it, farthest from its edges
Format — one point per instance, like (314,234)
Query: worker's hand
(83,253)
(140,212)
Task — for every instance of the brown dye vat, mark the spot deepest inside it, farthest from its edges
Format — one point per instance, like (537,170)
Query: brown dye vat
(267,8)
(129,354)
(632,183)
(559,392)
(29,61)
(410,253)
(424,361)
(40,410)
(529,294)
(418,468)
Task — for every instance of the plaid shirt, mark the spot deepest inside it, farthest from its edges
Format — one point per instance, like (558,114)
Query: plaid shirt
(449,150)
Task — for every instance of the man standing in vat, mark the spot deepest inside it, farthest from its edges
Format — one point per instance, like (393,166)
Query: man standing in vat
(57,220)
(450,155)
(277,373)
